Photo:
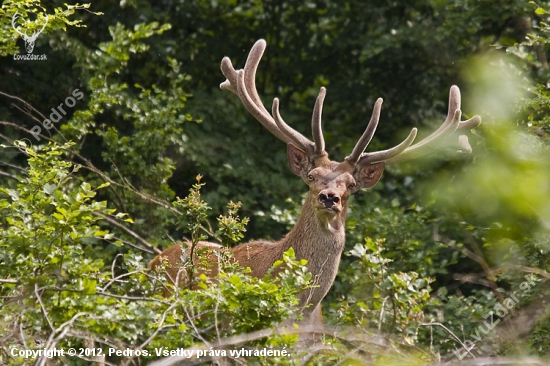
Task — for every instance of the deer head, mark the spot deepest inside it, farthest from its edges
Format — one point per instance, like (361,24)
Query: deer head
(29,40)
(331,183)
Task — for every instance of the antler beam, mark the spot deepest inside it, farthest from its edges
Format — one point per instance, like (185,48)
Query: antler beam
(242,83)
(404,152)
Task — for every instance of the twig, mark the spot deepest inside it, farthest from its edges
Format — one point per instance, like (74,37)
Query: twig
(217,299)
(8,175)
(128,231)
(133,245)
(159,328)
(381,314)
(115,279)
(105,177)
(452,334)
(24,102)
(39,298)
(52,342)
(113,269)
(13,166)
(26,130)
(536,271)
(13,282)
(491,361)
(450,243)
(473,278)
(199,336)
(122,297)
(195,328)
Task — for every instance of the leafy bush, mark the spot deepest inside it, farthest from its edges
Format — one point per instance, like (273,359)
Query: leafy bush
(59,292)
(393,303)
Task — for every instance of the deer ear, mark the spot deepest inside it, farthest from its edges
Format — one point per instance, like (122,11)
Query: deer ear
(297,160)
(367,176)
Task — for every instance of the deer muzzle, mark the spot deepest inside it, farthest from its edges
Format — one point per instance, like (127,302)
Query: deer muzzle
(329,200)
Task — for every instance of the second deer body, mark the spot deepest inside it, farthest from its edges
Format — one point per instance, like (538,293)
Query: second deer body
(319,233)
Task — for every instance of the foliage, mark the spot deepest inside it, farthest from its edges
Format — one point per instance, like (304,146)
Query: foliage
(474,224)
(141,151)
(44,226)
(195,212)
(231,227)
(51,22)
(58,292)
(393,303)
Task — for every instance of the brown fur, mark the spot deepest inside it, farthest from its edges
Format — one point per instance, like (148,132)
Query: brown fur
(172,259)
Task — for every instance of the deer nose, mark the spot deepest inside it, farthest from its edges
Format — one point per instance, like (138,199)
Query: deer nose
(328,199)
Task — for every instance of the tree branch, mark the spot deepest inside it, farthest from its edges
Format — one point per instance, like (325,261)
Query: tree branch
(128,231)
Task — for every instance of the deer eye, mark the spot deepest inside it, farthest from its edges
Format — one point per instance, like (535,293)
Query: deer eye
(310,177)
(351,186)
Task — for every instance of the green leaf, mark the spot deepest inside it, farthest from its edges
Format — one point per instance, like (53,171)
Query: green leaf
(50,188)
(290,252)
(89,286)
(106,184)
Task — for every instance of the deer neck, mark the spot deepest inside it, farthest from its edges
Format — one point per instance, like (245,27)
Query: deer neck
(317,234)
(319,238)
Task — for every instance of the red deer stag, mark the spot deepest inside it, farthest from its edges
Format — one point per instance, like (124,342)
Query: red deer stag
(319,234)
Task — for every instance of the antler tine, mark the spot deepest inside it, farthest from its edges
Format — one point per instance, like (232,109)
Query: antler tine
(384,155)
(429,143)
(454,105)
(296,137)
(250,67)
(366,138)
(452,123)
(258,111)
(242,83)
(229,72)
(316,123)
(469,123)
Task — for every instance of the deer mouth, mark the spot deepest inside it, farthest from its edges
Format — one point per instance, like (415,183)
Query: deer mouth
(332,209)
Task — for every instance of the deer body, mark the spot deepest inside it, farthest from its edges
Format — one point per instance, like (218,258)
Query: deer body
(322,253)
(314,239)
(318,236)
(319,233)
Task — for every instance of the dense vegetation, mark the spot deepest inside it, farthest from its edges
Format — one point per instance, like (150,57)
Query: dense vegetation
(447,258)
